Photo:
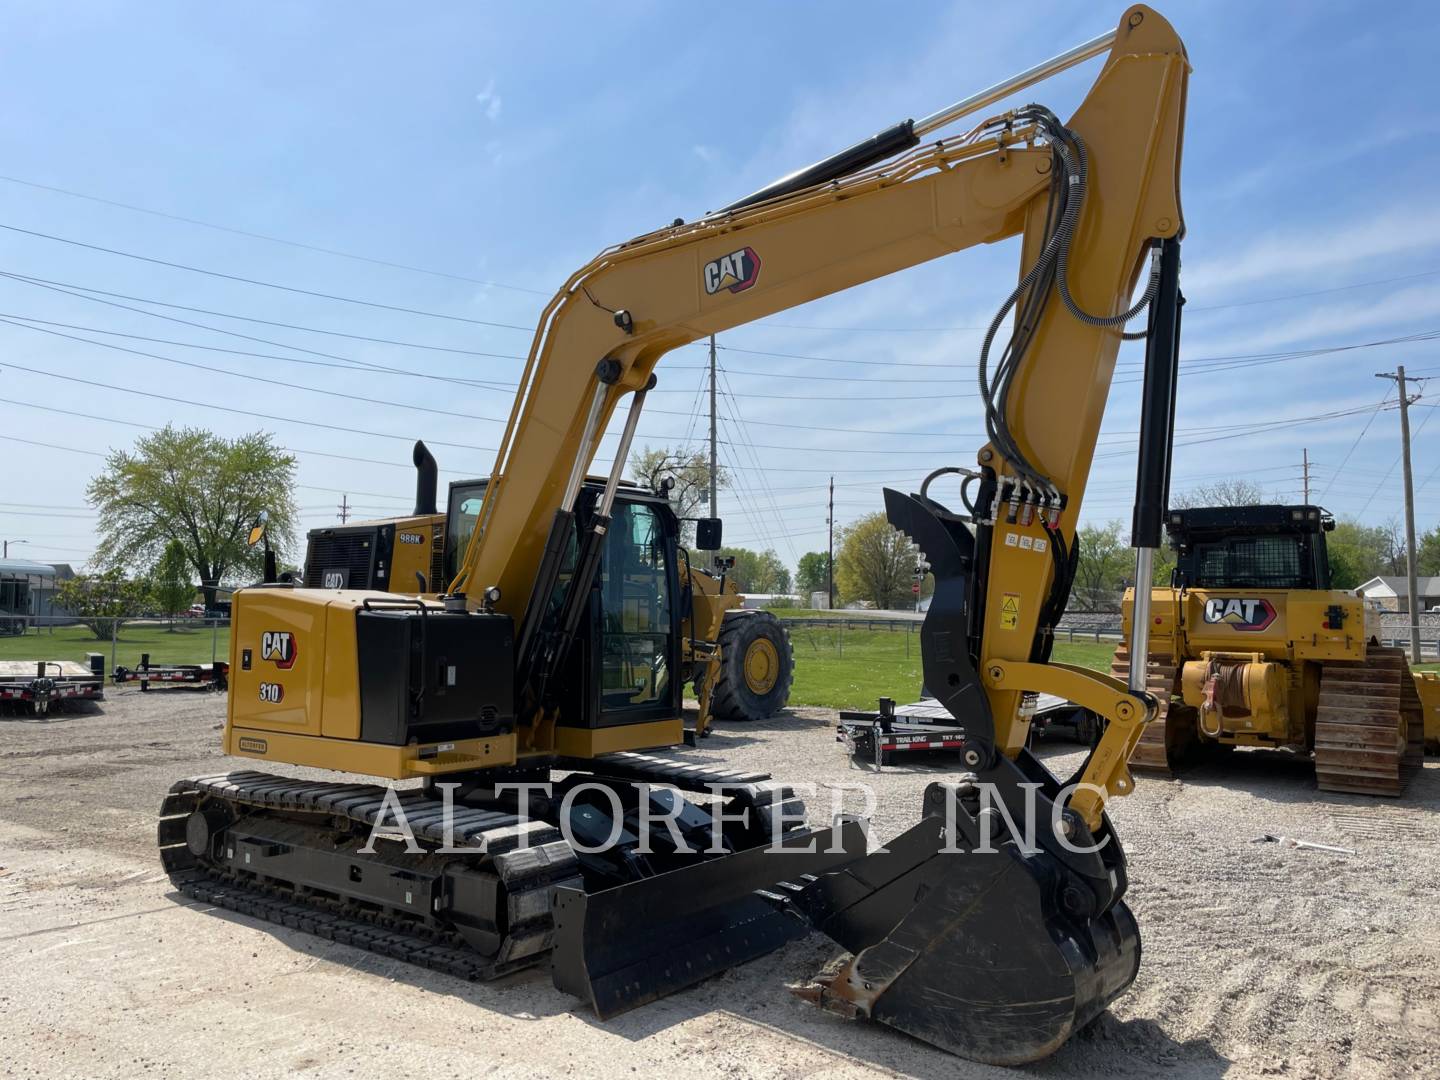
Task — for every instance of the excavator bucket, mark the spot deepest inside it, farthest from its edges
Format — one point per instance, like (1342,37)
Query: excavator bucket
(976,941)
(976,947)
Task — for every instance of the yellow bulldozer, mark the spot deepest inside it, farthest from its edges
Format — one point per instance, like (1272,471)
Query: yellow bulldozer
(1251,647)
(739,660)
(524,698)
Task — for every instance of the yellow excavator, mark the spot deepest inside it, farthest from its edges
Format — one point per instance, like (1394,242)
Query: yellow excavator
(739,660)
(543,830)
(1250,646)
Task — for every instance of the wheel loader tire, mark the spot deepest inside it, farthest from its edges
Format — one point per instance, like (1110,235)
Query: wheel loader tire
(757,666)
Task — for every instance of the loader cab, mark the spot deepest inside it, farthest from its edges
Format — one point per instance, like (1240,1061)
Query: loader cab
(1250,547)
(625,669)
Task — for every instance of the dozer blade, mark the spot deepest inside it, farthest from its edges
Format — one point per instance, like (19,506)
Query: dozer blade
(995,955)
(629,944)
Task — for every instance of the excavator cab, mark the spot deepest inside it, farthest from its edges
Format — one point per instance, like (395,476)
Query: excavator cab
(624,665)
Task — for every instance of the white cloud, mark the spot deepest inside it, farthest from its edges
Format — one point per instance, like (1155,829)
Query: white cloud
(1309,250)
(704,153)
(489,101)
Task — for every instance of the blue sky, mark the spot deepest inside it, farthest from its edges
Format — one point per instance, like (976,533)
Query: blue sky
(504,145)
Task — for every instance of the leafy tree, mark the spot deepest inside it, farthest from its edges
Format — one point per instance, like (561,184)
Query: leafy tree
(205,491)
(691,473)
(1105,567)
(1427,553)
(1164,565)
(757,571)
(1359,552)
(1234,492)
(875,562)
(812,574)
(101,601)
(171,587)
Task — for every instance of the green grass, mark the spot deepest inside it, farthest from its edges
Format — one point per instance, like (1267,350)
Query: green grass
(185,645)
(850,669)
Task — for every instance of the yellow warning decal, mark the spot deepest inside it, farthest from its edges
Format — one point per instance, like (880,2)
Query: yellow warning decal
(1010,611)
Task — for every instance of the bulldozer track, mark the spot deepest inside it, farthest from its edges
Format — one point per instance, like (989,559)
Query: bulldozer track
(1150,755)
(1369,725)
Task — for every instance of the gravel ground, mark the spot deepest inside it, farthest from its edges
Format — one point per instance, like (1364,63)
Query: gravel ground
(1260,959)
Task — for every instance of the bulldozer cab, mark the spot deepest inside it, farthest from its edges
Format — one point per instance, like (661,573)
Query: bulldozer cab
(1250,547)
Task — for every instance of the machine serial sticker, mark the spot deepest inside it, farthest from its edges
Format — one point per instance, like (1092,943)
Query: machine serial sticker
(1010,611)
(253,746)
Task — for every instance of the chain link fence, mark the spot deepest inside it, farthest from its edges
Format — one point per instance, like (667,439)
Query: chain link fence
(123,641)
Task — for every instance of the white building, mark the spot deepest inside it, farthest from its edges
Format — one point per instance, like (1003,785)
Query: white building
(1393,593)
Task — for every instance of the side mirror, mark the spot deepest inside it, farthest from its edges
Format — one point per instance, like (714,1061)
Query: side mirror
(258,532)
(708,534)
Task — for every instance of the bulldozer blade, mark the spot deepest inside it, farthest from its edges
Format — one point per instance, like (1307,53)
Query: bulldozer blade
(621,947)
(997,956)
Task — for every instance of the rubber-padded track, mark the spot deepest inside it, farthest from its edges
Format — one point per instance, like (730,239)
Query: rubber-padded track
(527,873)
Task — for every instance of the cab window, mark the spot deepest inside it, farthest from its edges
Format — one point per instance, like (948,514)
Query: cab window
(635,610)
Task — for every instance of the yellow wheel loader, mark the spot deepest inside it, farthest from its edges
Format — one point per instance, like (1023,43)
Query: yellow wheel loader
(524,702)
(1250,646)
(740,661)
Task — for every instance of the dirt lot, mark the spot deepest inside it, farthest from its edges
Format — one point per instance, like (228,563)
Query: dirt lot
(1260,959)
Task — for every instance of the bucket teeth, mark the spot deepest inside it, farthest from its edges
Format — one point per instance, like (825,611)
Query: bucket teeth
(820,991)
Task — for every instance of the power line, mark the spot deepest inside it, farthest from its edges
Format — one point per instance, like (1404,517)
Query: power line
(394,265)
(1346,459)
(63,286)
(265,284)
(255,378)
(1197,308)
(240,412)
(346,364)
(271,239)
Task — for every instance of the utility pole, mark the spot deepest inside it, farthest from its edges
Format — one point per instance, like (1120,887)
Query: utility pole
(1305,470)
(714,461)
(344,514)
(830,556)
(1410,578)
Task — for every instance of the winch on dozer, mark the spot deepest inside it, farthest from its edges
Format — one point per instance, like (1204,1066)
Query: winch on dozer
(526,696)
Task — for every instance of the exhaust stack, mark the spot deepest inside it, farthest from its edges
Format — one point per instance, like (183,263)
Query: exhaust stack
(427,479)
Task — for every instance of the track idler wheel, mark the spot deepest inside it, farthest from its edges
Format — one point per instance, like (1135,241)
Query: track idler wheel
(995,955)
